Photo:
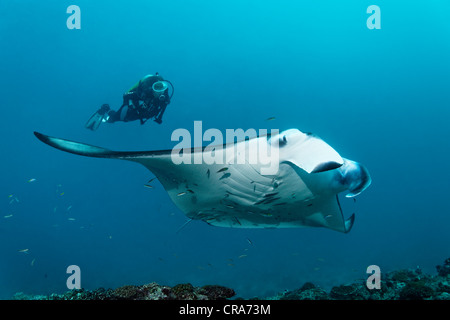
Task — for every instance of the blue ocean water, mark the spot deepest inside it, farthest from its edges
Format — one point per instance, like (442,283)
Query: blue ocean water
(378,96)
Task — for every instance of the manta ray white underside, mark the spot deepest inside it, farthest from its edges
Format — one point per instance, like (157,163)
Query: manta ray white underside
(303,192)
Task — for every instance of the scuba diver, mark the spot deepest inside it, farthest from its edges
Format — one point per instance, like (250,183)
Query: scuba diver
(147,99)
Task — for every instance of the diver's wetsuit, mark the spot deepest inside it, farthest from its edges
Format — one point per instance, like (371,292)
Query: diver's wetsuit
(144,105)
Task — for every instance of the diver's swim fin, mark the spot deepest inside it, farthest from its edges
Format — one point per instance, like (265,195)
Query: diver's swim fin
(97,118)
(94,121)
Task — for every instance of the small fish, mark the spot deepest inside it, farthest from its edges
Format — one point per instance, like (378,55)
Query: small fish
(280,204)
(237,220)
(32,262)
(31,180)
(270,118)
(270,195)
(184,225)
(328,216)
(190,191)
(242,256)
(226,175)
(68,208)
(181,194)
(249,241)
(267,200)
(228,206)
(208,173)
(71,219)
(8,216)
(270,200)
(151,180)
(23,251)
(254,188)
(148,186)
(222,170)
(13,199)
(259,202)
(61,194)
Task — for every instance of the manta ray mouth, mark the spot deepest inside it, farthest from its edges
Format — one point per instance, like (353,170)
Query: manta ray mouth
(326,166)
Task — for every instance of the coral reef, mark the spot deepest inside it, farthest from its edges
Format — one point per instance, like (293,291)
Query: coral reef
(151,291)
(444,270)
(307,292)
(215,292)
(402,284)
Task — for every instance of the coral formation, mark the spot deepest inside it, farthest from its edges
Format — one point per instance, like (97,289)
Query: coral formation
(151,291)
(215,292)
(417,290)
(444,270)
(348,292)
(307,292)
(402,284)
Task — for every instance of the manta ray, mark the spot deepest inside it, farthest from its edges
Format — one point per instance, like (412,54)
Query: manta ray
(303,192)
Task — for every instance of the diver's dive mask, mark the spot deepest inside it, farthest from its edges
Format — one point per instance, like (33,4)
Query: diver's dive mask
(159,88)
